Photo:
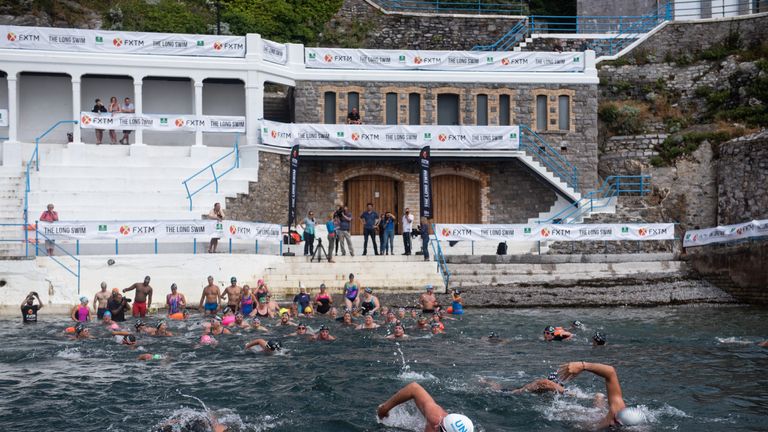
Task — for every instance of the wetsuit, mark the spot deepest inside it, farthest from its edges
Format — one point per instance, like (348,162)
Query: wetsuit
(325,303)
(246,305)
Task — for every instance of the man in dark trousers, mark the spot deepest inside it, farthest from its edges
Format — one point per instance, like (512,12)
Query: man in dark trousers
(370,219)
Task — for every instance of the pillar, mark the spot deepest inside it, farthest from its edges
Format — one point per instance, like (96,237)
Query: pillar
(254,112)
(199,110)
(13,107)
(138,107)
(76,108)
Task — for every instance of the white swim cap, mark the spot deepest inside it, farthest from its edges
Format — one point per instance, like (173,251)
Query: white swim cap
(630,416)
(457,423)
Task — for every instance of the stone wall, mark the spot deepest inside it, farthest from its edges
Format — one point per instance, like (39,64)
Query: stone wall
(509,192)
(578,145)
(742,180)
(412,30)
(738,269)
(628,155)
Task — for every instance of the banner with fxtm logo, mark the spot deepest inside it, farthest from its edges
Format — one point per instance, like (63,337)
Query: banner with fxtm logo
(162,122)
(480,61)
(118,42)
(390,137)
(726,233)
(150,230)
(555,232)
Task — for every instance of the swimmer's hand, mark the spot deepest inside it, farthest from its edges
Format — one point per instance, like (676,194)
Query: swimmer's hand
(570,370)
(382,411)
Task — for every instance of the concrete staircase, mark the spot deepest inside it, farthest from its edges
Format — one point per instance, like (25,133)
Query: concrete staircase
(114,183)
(11,208)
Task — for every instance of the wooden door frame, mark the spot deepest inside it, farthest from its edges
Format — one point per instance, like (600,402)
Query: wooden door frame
(399,191)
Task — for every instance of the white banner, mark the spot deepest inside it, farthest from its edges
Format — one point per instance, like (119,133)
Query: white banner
(721,234)
(118,42)
(150,230)
(498,61)
(3,117)
(555,232)
(387,137)
(274,52)
(162,122)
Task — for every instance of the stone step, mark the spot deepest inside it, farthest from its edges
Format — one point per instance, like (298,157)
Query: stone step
(170,184)
(566,268)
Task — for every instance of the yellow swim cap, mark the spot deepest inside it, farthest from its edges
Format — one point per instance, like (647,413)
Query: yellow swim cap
(308,309)
(283,311)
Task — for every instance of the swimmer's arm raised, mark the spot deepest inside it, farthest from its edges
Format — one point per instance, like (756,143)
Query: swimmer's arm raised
(424,402)
(261,342)
(607,372)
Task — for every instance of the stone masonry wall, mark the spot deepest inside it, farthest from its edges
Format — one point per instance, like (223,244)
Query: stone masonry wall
(509,193)
(417,30)
(628,155)
(742,180)
(578,145)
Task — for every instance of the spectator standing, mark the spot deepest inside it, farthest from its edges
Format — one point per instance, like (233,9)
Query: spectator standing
(331,227)
(407,225)
(216,214)
(49,216)
(117,305)
(381,230)
(127,108)
(370,219)
(114,107)
(424,228)
(389,234)
(342,234)
(99,108)
(354,117)
(308,225)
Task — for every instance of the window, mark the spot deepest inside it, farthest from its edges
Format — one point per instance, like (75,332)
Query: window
(564,112)
(482,110)
(414,109)
(330,108)
(353,100)
(541,113)
(448,109)
(504,118)
(391,109)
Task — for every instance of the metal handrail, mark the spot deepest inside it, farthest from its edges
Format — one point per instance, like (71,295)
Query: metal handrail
(512,37)
(235,165)
(36,157)
(553,160)
(612,187)
(442,265)
(467,6)
(55,246)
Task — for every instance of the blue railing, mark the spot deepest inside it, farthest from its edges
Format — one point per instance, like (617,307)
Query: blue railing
(36,158)
(612,187)
(211,167)
(49,241)
(455,6)
(533,144)
(509,40)
(442,265)
(630,32)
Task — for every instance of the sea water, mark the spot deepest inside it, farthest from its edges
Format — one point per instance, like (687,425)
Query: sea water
(688,368)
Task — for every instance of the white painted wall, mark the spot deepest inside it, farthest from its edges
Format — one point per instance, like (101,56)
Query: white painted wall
(168,97)
(44,100)
(223,99)
(3,102)
(103,88)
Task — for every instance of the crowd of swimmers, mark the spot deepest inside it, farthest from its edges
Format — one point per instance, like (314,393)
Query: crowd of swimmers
(242,309)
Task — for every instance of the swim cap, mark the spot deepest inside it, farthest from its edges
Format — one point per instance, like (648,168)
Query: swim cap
(83,299)
(129,338)
(205,339)
(323,328)
(599,338)
(368,290)
(493,335)
(157,357)
(255,321)
(115,290)
(139,324)
(273,345)
(577,323)
(307,310)
(233,279)
(457,423)
(284,311)
(630,416)
(107,314)
(260,282)
(227,310)
(435,324)
(429,287)
(79,328)
(549,329)
(322,285)
(161,322)
(553,377)
(114,326)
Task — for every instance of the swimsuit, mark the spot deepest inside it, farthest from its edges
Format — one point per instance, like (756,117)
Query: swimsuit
(211,307)
(82,313)
(350,291)
(259,314)
(368,306)
(173,303)
(246,305)
(428,311)
(325,303)
(458,308)
(140,309)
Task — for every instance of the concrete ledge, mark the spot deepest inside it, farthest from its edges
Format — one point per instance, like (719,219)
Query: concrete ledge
(558,259)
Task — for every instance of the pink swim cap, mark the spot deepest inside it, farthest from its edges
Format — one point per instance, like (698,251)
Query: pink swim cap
(114,326)
(260,282)
(205,339)
(229,319)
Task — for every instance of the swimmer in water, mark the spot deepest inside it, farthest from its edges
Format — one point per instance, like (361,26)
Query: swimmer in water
(556,334)
(324,334)
(247,301)
(551,384)
(370,303)
(240,321)
(161,329)
(493,337)
(428,301)
(211,294)
(351,291)
(576,325)
(218,329)
(368,324)
(438,419)
(323,301)
(401,313)
(333,313)
(81,332)
(435,328)
(267,347)
(301,330)
(618,413)
(763,344)
(175,301)
(390,318)
(422,323)
(398,333)
(125,339)
(81,313)
(285,320)
(256,325)
(142,327)
(346,319)
(149,357)
(598,339)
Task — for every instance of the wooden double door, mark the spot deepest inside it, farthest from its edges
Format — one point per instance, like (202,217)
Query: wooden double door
(455,199)
(385,193)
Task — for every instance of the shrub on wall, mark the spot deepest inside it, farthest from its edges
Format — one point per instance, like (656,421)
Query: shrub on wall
(623,119)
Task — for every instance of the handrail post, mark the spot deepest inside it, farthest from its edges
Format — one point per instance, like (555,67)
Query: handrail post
(215,180)
(78,277)
(37,241)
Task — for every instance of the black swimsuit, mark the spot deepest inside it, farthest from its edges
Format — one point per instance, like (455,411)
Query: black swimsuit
(368,306)
(258,314)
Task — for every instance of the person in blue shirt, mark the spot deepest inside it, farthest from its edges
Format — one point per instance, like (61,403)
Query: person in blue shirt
(388,245)
(331,227)
(308,225)
(370,219)
(302,300)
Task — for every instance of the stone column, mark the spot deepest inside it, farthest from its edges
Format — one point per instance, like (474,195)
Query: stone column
(199,110)
(254,111)
(76,108)
(138,108)
(13,107)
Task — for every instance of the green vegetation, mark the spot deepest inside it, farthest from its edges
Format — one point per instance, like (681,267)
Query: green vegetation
(622,119)
(728,105)
(166,16)
(299,21)
(684,144)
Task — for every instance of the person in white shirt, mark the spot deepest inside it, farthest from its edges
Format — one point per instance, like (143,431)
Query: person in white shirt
(127,108)
(407,225)
(216,214)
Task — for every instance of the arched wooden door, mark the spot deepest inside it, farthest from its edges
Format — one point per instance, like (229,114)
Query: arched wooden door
(385,193)
(456,199)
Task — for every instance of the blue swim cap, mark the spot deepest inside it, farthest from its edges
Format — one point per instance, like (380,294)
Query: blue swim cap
(107,314)
(83,299)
